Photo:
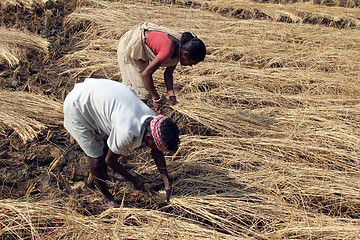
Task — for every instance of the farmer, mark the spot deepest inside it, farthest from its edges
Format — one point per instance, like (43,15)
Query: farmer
(99,110)
(146,47)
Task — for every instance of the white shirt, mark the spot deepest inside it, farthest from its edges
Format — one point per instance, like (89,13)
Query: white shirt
(107,106)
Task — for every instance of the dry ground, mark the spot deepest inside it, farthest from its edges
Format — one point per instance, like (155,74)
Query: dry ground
(269,121)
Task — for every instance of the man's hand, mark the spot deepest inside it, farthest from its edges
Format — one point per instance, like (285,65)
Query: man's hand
(159,159)
(139,185)
(173,99)
(158,105)
(113,203)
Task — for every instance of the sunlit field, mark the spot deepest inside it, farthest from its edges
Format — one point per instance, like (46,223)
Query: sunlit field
(269,122)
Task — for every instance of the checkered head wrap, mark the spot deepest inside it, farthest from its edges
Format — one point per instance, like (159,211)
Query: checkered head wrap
(156,133)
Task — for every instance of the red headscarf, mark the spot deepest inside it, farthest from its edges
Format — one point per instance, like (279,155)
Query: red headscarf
(156,133)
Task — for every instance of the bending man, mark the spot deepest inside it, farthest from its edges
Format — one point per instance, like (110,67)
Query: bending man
(146,47)
(99,109)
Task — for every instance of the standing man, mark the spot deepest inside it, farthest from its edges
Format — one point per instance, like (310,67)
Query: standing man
(105,118)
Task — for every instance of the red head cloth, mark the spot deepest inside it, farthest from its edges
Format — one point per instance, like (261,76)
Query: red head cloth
(156,133)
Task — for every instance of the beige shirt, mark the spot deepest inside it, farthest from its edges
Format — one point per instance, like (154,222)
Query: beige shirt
(136,47)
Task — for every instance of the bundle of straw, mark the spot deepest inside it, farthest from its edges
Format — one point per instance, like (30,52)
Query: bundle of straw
(13,42)
(27,114)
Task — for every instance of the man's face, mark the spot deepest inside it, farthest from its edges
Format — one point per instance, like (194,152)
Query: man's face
(189,62)
(185,59)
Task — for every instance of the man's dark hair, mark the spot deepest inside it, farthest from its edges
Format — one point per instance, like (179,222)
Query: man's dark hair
(169,133)
(193,45)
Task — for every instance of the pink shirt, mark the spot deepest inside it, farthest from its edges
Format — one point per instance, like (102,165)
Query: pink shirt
(161,45)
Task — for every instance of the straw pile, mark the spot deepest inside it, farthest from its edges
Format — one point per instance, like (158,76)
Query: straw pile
(234,3)
(28,114)
(270,144)
(344,13)
(51,219)
(14,44)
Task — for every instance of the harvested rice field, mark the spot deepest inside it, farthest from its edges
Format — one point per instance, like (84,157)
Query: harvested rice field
(269,122)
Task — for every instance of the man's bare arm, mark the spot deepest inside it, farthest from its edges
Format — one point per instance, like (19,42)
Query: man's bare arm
(111,160)
(159,159)
(169,83)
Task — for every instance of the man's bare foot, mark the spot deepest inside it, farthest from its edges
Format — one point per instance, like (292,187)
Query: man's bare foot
(112,203)
(139,185)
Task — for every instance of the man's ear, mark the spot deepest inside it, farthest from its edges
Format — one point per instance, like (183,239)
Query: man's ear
(186,54)
(147,139)
(147,136)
